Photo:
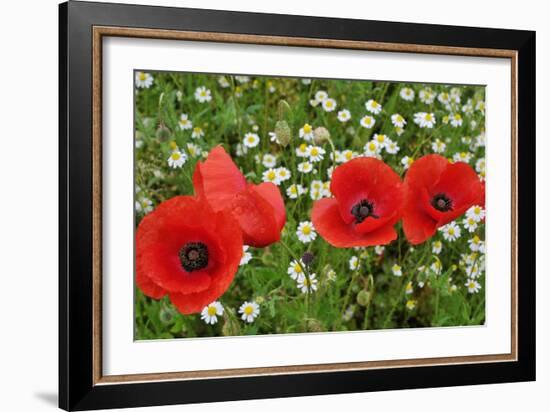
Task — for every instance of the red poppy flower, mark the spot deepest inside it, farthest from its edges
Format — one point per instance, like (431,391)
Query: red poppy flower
(437,192)
(259,209)
(186,250)
(367,204)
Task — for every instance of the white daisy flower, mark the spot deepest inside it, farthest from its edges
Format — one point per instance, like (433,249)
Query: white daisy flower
(425,120)
(451,231)
(306,81)
(381,139)
(316,190)
(438,146)
(143,80)
(326,189)
(426,96)
(271,175)
(223,82)
(347,155)
(268,160)
(407,94)
(202,94)
(456,120)
(177,159)
(462,157)
(283,174)
(242,79)
(307,285)
(321,96)
(344,115)
(396,269)
(444,98)
(436,247)
(476,212)
(211,312)
(197,133)
(316,153)
(411,304)
(306,132)
(409,288)
(476,244)
(184,122)
(251,140)
(372,148)
(306,232)
(469,224)
(373,106)
(398,121)
(407,161)
(194,150)
(436,267)
(305,167)
(354,263)
(249,311)
(480,166)
(329,105)
(379,250)
(295,190)
(144,205)
(302,150)
(473,286)
(392,147)
(295,269)
(367,122)
(246,256)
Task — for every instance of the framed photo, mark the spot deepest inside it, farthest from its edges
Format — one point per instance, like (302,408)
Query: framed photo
(258,205)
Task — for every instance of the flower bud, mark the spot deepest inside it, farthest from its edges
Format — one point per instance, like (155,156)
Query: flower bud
(363,297)
(321,135)
(308,258)
(283,133)
(163,133)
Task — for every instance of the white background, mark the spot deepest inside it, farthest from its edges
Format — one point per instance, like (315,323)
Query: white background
(28,203)
(124,356)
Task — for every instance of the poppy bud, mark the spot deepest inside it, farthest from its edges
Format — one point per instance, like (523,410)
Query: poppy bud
(321,135)
(163,133)
(308,258)
(283,133)
(363,297)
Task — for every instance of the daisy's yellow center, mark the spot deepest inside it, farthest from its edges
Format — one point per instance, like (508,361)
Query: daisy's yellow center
(451,231)
(297,268)
(271,175)
(314,151)
(306,230)
(251,139)
(367,120)
(176,156)
(142,76)
(328,103)
(203,93)
(293,190)
(282,173)
(248,310)
(381,138)
(372,146)
(410,161)
(429,117)
(303,148)
(458,116)
(477,210)
(307,128)
(348,155)
(212,310)
(375,104)
(184,121)
(173,145)
(476,240)
(197,130)
(144,203)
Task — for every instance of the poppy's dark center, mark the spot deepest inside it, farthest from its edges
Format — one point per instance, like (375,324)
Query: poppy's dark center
(442,203)
(193,256)
(362,210)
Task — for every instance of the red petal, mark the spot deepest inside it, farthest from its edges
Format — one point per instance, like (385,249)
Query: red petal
(431,175)
(218,179)
(259,223)
(367,178)
(329,224)
(162,233)
(272,195)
